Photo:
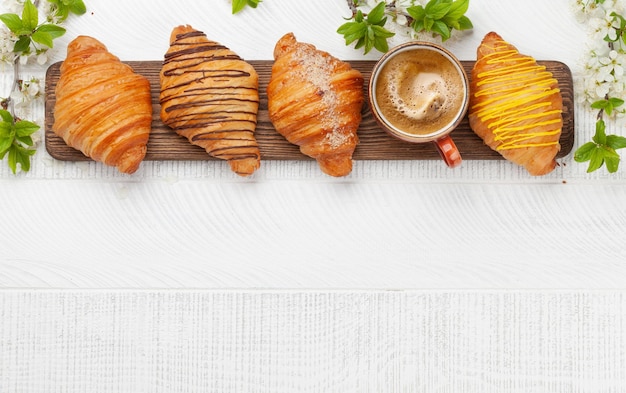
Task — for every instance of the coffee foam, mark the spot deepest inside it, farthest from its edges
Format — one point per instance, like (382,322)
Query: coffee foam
(419,91)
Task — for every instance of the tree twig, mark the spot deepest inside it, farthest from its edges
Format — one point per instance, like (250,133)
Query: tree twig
(390,8)
(15,84)
(353,5)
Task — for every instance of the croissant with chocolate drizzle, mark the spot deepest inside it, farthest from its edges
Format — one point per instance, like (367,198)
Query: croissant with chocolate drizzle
(210,96)
(314,101)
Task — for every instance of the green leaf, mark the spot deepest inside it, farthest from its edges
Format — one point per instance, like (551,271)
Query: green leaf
(20,155)
(42,38)
(608,152)
(600,104)
(600,136)
(596,161)
(359,17)
(238,5)
(465,23)
(30,16)
(418,25)
(350,28)
(22,45)
(440,17)
(616,102)
(369,37)
(584,152)
(602,150)
(55,31)
(622,20)
(78,7)
(381,44)
(5,128)
(612,163)
(5,143)
(12,21)
(428,23)
(442,29)
(63,12)
(352,31)
(360,43)
(369,41)
(6,116)
(376,15)
(458,9)
(369,33)
(13,158)
(381,32)
(417,12)
(15,138)
(25,140)
(616,142)
(451,23)
(25,128)
(437,11)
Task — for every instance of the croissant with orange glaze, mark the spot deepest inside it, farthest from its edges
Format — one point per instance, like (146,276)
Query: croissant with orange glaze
(314,101)
(516,106)
(103,108)
(210,96)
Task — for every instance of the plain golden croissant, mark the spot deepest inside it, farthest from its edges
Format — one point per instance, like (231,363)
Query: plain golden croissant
(103,108)
(210,96)
(315,101)
(516,106)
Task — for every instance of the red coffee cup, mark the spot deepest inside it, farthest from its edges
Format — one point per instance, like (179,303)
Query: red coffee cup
(419,92)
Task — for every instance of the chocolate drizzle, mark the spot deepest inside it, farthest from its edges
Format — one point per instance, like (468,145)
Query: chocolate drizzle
(210,95)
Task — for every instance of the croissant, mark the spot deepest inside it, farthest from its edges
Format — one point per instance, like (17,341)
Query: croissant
(515,106)
(210,96)
(103,108)
(315,101)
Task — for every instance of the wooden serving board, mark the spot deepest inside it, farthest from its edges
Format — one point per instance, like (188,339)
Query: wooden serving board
(375,144)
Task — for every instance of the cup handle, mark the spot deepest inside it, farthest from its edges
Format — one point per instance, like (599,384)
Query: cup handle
(449,151)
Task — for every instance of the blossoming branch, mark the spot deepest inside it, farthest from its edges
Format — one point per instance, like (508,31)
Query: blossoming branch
(603,85)
(22,38)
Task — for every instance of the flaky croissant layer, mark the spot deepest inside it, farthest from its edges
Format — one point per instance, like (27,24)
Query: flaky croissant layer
(315,101)
(103,108)
(210,96)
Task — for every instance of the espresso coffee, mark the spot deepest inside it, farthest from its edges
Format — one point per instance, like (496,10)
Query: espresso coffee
(420,91)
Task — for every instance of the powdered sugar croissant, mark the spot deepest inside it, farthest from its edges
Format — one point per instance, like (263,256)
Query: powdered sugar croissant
(210,96)
(516,106)
(103,108)
(315,101)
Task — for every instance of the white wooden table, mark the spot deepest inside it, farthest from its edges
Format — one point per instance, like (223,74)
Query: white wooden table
(404,276)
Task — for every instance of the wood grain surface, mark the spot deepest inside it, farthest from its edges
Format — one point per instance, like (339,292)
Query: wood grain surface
(375,144)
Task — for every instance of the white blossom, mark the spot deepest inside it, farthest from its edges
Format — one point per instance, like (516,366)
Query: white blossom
(609,6)
(32,88)
(13,6)
(603,26)
(49,10)
(603,72)
(613,64)
(586,9)
(7,42)
(42,57)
